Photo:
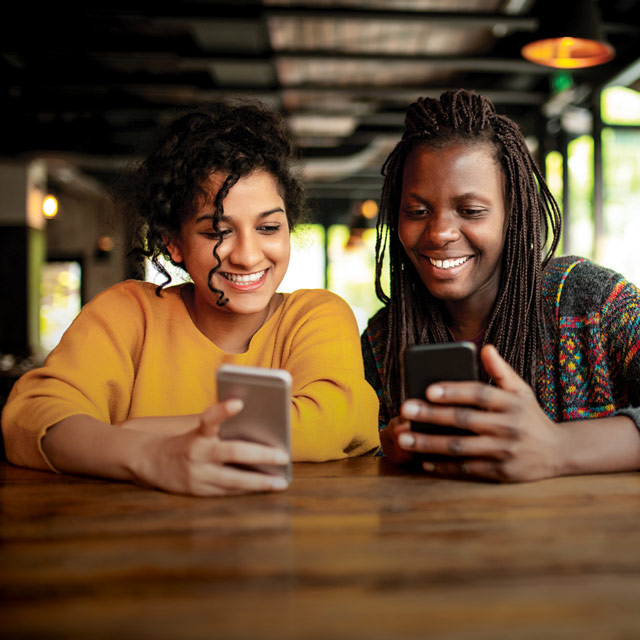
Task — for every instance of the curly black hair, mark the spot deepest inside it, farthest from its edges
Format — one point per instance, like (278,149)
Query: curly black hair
(234,138)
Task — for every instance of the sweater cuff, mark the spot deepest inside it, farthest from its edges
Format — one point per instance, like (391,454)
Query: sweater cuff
(631,412)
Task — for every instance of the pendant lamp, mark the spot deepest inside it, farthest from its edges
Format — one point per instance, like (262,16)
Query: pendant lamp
(570,37)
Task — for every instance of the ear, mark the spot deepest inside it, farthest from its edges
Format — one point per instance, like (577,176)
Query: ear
(174,249)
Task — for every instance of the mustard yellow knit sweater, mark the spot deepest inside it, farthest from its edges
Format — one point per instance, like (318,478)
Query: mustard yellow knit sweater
(131,354)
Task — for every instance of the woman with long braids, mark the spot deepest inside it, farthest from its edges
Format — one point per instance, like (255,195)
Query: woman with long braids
(130,391)
(470,228)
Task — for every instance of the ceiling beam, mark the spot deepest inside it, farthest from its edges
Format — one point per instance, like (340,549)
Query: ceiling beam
(103,101)
(461,20)
(484,64)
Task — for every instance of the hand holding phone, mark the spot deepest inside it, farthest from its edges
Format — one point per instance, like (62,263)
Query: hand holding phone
(425,364)
(265,418)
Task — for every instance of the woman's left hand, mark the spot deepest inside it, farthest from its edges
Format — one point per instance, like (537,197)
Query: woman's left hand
(515,440)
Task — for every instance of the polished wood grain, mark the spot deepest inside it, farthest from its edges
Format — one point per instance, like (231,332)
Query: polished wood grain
(354,549)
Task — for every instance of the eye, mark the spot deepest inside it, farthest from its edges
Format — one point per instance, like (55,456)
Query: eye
(471,211)
(415,213)
(269,229)
(212,235)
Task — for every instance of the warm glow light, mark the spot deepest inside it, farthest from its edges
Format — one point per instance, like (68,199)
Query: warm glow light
(369,209)
(568,53)
(50,207)
(105,243)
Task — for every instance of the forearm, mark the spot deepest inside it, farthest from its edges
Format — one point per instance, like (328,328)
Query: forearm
(83,445)
(165,425)
(599,445)
(331,421)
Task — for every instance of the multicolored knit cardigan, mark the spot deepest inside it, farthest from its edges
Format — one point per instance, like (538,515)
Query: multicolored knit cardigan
(590,361)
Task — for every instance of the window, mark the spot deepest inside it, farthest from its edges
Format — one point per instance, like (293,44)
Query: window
(60,300)
(351,272)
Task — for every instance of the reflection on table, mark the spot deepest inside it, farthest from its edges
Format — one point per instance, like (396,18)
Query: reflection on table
(354,549)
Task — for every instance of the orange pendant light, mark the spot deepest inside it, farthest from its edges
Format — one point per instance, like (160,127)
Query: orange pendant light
(571,37)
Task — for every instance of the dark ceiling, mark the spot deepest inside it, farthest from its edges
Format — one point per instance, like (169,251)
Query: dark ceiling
(85,83)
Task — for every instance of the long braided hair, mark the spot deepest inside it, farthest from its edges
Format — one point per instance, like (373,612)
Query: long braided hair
(414,316)
(233,138)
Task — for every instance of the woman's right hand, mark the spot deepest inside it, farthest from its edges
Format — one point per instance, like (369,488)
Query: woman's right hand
(199,463)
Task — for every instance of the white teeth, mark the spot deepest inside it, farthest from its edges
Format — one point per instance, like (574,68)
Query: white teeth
(447,264)
(248,278)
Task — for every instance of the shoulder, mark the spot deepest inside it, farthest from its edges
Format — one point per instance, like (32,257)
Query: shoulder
(376,328)
(578,285)
(590,282)
(131,293)
(315,300)
(557,270)
(130,304)
(316,311)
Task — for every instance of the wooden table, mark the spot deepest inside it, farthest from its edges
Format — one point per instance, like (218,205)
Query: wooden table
(354,549)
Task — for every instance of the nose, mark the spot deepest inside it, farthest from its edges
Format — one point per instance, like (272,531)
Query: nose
(442,228)
(245,251)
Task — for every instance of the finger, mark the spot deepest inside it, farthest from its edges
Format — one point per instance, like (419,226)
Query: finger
(211,418)
(466,468)
(398,425)
(233,480)
(456,446)
(479,421)
(500,370)
(472,394)
(241,452)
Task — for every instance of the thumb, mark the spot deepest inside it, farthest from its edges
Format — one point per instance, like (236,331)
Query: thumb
(501,371)
(211,418)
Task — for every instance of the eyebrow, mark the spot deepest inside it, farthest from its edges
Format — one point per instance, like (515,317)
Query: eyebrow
(459,198)
(264,214)
(473,195)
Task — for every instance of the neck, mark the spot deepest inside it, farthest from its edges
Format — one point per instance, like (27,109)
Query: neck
(231,332)
(466,321)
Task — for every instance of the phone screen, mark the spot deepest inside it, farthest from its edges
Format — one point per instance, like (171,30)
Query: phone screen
(425,364)
(265,418)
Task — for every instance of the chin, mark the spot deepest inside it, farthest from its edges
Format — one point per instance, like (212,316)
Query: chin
(446,294)
(246,307)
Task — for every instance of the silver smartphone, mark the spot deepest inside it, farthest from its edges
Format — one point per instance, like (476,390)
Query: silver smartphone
(425,364)
(266,416)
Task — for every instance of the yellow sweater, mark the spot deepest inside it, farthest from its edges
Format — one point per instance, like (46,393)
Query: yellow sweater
(131,354)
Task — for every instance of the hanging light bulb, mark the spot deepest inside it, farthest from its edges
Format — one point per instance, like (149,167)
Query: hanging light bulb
(570,38)
(50,207)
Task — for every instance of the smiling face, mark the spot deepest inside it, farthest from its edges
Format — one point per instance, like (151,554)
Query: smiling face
(452,223)
(255,247)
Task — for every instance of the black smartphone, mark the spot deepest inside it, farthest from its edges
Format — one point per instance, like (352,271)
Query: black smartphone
(265,418)
(425,364)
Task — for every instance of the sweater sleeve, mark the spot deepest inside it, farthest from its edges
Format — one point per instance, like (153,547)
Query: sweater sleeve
(605,307)
(90,372)
(372,376)
(621,324)
(334,409)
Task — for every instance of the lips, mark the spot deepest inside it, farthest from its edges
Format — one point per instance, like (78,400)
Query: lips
(244,279)
(448,263)
(244,282)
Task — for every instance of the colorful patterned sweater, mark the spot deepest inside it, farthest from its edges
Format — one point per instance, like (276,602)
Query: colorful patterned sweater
(590,361)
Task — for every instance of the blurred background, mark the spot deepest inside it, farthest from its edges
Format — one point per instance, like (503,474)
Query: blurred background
(84,84)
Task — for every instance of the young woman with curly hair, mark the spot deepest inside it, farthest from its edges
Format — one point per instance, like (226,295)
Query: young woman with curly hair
(470,228)
(130,391)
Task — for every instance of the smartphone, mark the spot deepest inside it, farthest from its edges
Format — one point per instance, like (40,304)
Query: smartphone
(266,416)
(425,364)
